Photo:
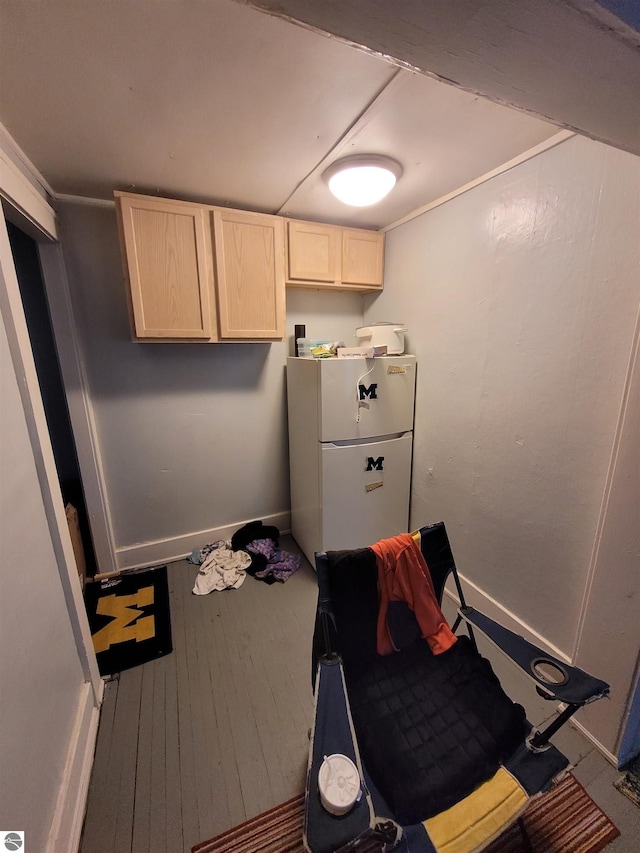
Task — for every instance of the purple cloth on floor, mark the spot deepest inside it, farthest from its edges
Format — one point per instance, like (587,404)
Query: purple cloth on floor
(280,564)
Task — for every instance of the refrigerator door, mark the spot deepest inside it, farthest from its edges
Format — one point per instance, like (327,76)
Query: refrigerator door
(365,491)
(365,398)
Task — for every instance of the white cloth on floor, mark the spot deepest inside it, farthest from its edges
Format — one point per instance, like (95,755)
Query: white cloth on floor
(222,569)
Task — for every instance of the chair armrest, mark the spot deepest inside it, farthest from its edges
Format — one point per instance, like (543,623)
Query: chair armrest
(333,733)
(573,685)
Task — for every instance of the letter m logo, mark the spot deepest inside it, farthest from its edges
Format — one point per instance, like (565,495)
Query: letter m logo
(371,392)
(125,624)
(374,464)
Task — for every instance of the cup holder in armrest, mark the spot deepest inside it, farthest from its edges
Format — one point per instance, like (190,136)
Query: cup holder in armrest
(549,671)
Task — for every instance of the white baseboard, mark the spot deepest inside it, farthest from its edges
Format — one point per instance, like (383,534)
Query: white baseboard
(178,547)
(476,597)
(603,749)
(482,601)
(66,827)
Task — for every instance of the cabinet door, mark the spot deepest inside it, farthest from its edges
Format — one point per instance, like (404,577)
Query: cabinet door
(313,252)
(362,256)
(167,251)
(249,260)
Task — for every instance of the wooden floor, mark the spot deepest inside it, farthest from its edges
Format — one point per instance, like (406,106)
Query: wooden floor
(214,733)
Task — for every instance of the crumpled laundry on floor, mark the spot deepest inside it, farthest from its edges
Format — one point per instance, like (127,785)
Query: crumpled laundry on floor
(280,564)
(253,550)
(221,568)
(268,562)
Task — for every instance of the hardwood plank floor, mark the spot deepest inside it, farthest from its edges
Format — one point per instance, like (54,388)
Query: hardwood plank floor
(214,733)
(126,725)
(99,824)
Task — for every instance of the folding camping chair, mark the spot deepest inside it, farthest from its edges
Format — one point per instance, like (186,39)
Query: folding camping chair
(445,760)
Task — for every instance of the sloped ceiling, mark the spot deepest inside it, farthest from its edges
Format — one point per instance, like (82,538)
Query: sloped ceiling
(573,62)
(214,100)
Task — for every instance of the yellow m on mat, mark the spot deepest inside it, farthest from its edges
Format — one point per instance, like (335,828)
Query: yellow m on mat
(122,610)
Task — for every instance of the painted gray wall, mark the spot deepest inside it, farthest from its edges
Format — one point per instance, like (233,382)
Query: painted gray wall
(521,297)
(193,437)
(40,674)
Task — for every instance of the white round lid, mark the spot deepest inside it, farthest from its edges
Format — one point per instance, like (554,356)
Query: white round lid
(339,783)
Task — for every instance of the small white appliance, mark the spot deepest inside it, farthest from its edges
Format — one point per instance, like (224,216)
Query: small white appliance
(390,335)
(350,448)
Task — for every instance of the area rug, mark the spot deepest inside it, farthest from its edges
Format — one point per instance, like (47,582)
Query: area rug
(566,820)
(129,619)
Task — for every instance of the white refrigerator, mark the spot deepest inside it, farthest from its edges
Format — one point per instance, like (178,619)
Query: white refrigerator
(350,448)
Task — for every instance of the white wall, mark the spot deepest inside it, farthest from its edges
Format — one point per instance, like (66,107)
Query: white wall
(610,633)
(192,437)
(41,678)
(521,297)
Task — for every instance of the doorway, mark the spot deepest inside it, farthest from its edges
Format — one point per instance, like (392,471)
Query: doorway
(36,310)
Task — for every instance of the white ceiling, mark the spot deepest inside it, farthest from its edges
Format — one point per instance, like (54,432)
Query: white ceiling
(573,62)
(214,100)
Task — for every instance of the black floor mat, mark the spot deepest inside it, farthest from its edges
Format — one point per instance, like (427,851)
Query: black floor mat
(129,619)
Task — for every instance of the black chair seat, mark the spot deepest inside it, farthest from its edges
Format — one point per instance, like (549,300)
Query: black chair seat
(430,728)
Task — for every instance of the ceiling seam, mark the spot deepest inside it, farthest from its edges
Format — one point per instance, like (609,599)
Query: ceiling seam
(349,132)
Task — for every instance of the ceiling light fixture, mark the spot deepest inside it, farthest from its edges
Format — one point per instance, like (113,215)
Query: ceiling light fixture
(362,179)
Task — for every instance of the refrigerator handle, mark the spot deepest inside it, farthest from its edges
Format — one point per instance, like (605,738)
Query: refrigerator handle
(396,436)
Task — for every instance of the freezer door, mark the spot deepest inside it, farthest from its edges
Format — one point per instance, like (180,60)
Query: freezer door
(365,398)
(365,492)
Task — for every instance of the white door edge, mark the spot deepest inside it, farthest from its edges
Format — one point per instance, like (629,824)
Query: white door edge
(23,363)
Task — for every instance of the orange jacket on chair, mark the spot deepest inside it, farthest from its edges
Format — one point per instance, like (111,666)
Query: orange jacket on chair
(403,575)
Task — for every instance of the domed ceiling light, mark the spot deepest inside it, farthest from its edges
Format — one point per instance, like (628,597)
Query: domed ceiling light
(362,179)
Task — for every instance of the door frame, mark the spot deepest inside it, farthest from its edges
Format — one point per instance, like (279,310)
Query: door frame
(79,403)
(24,200)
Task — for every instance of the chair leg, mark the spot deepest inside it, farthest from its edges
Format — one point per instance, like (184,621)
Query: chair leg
(539,741)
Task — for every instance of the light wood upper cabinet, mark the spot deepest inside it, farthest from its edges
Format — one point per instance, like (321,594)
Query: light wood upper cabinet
(168,258)
(199,272)
(328,256)
(313,251)
(249,258)
(362,256)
